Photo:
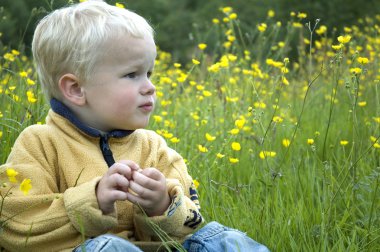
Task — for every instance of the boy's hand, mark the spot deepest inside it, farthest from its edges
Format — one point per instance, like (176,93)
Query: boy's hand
(114,185)
(149,191)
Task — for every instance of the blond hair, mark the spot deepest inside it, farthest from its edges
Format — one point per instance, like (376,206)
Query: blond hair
(70,40)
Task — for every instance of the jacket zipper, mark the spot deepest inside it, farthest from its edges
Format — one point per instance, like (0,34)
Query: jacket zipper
(106,150)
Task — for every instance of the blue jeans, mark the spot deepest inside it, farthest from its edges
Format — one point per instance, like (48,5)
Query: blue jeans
(213,237)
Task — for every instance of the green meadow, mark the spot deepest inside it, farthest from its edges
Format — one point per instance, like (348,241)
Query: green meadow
(285,148)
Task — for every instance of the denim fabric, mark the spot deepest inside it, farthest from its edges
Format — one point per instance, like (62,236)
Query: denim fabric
(213,237)
(218,238)
(107,243)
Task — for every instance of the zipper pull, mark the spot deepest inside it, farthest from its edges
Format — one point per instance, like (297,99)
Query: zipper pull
(106,150)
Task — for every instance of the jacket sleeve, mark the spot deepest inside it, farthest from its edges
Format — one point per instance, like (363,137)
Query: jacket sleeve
(45,219)
(183,215)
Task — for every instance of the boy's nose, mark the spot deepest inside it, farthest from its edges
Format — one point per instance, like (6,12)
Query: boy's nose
(148,89)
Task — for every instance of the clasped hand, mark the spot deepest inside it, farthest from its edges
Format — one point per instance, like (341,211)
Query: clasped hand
(125,180)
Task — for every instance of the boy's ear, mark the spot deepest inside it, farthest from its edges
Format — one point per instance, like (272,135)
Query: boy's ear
(71,89)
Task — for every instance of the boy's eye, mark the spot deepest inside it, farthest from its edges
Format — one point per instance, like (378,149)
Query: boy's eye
(131,75)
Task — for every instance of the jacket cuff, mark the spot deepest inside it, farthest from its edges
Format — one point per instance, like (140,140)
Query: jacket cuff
(83,209)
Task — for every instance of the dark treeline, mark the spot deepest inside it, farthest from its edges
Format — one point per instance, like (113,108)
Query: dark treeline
(180,24)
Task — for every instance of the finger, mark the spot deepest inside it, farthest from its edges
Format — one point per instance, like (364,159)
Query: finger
(119,182)
(122,169)
(153,173)
(145,181)
(118,195)
(135,199)
(131,164)
(139,190)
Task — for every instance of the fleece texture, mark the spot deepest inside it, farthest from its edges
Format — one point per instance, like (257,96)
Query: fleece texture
(65,164)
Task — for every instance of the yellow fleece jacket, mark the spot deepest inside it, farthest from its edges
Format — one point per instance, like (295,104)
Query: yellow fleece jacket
(65,165)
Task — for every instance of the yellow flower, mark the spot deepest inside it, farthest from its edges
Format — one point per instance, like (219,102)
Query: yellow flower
(344,39)
(195,62)
(233,160)
(202,148)
(363,60)
(9,56)
(234,131)
(376,145)
(265,154)
(262,27)
(377,119)
(343,142)
(220,155)
(286,142)
(233,16)
(30,82)
(25,186)
(337,47)
(321,30)
(174,140)
(11,173)
(177,65)
(236,146)
(271,13)
(239,123)
(285,81)
(209,137)
(277,119)
(119,5)
(202,46)
(226,9)
(31,97)
(362,103)
(206,93)
(196,183)
(157,118)
(215,21)
(23,74)
(260,105)
(355,70)
(15,52)
(301,15)
(310,141)
(373,139)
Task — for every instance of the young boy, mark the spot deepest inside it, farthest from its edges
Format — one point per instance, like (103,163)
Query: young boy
(100,181)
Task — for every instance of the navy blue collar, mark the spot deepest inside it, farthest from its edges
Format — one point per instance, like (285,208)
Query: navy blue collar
(61,109)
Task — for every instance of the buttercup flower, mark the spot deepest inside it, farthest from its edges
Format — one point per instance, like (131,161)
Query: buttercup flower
(202,148)
(209,137)
(11,173)
(343,142)
(196,183)
(236,146)
(363,60)
(202,46)
(310,141)
(286,142)
(195,62)
(265,154)
(25,186)
(344,39)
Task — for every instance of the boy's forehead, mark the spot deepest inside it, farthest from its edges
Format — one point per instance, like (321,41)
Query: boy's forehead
(129,48)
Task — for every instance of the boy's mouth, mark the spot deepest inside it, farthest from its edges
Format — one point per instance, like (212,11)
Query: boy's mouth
(148,107)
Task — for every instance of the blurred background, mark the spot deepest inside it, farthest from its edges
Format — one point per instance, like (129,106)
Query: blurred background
(182,24)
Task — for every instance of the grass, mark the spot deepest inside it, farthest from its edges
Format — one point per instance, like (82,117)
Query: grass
(318,193)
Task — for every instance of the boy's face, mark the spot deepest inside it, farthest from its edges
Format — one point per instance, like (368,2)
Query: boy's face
(120,94)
